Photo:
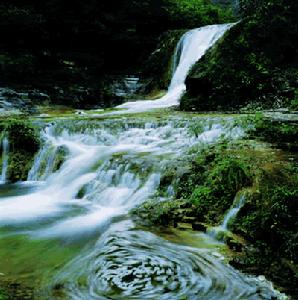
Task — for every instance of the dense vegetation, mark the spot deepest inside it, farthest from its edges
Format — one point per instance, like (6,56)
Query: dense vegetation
(71,49)
(210,183)
(256,62)
(67,48)
(24,142)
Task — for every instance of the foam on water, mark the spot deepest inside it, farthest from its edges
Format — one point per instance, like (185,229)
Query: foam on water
(190,49)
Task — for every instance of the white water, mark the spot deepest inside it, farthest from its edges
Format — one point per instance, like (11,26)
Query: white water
(218,231)
(5,156)
(190,49)
(233,211)
(111,167)
(43,164)
(113,186)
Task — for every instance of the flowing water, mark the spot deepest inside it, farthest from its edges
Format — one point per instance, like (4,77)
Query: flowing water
(190,49)
(73,234)
(219,232)
(67,231)
(5,150)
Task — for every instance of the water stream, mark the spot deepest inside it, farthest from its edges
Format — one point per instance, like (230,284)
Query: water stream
(191,47)
(219,232)
(5,156)
(67,231)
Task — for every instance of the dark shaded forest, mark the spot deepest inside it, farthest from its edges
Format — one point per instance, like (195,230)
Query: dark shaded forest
(75,44)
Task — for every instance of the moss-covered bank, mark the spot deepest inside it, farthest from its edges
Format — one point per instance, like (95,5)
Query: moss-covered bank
(158,68)
(256,62)
(24,142)
(267,221)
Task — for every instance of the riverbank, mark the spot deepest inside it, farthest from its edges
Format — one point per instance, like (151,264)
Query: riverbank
(139,157)
(264,169)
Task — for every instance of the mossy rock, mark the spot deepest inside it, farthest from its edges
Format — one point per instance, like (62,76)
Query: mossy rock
(158,68)
(19,165)
(24,142)
(255,62)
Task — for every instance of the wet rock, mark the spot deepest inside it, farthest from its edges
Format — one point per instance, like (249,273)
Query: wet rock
(237,263)
(199,226)
(184,226)
(13,100)
(187,219)
(38,96)
(234,244)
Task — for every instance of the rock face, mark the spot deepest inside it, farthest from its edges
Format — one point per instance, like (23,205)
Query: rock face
(11,100)
(125,86)
(47,44)
(251,65)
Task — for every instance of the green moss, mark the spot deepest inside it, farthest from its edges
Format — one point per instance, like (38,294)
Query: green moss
(60,157)
(274,205)
(158,68)
(256,62)
(205,188)
(24,143)
(3,296)
(282,133)
(225,176)
(19,164)
(269,221)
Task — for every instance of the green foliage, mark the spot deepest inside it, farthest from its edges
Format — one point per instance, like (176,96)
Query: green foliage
(22,135)
(2,295)
(281,133)
(270,215)
(204,191)
(24,142)
(62,48)
(294,102)
(255,62)
(191,13)
(226,175)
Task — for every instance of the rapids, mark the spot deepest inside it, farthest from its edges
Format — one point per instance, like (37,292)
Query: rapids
(111,167)
(67,233)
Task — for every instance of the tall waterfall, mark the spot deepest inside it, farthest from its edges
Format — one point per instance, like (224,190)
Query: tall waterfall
(191,47)
(5,150)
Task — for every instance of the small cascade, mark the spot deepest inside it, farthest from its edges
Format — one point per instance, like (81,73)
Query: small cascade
(5,156)
(43,164)
(109,168)
(233,211)
(118,163)
(33,173)
(219,231)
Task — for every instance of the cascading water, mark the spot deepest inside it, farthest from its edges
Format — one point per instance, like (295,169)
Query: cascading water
(233,211)
(111,167)
(43,164)
(72,235)
(219,231)
(190,49)
(5,156)
(89,145)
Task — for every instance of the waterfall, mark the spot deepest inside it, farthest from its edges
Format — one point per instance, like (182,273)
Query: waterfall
(191,47)
(5,156)
(233,211)
(112,166)
(117,163)
(43,164)
(219,232)
(74,230)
